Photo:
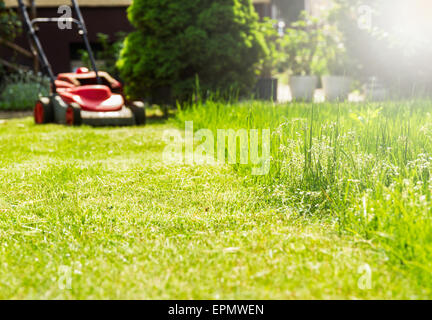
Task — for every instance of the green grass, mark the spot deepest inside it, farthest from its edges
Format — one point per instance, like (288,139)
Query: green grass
(364,168)
(100,203)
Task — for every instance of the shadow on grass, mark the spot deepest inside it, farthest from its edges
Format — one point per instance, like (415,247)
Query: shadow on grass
(14,114)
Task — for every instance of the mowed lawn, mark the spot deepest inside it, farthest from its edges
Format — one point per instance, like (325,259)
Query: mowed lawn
(95,213)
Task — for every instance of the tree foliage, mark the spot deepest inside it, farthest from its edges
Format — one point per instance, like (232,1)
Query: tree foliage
(179,41)
(389,49)
(10,27)
(109,54)
(9,23)
(303,46)
(274,56)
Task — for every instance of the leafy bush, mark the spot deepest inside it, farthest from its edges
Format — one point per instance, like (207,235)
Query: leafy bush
(9,23)
(10,27)
(315,45)
(337,60)
(302,46)
(273,55)
(109,55)
(21,90)
(217,41)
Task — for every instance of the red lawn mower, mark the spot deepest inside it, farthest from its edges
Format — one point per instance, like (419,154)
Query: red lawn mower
(84,97)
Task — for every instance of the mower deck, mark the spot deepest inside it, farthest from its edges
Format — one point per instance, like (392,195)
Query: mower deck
(122,117)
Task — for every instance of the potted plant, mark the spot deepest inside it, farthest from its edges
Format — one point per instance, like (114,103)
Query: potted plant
(304,56)
(267,85)
(336,82)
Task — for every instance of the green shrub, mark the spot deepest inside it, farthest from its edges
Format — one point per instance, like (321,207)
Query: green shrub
(302,46)
(9,23)
(20,91)
(109,54)
(315,45)
(271,63)
(338,60)
(10,27)
(177,42)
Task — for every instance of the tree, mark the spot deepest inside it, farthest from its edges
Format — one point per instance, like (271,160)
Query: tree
(177,42)
(9,28)
(9,23)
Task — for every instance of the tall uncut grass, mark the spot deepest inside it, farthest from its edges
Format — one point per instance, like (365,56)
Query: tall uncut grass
(364,167)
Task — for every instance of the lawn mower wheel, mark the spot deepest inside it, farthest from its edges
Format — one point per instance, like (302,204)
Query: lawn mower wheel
(138,110)
(43,111)
(73,115)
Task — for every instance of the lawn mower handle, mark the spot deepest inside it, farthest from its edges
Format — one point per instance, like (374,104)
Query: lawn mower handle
(32,34)
(41,54)
(85,37)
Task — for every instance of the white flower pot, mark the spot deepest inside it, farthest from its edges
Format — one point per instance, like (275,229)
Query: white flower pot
(303,87)
(336,88)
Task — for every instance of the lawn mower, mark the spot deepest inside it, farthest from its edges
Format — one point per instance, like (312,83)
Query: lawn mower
(83,97)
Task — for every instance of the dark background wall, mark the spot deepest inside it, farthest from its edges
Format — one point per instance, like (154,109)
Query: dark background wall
(60,44)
